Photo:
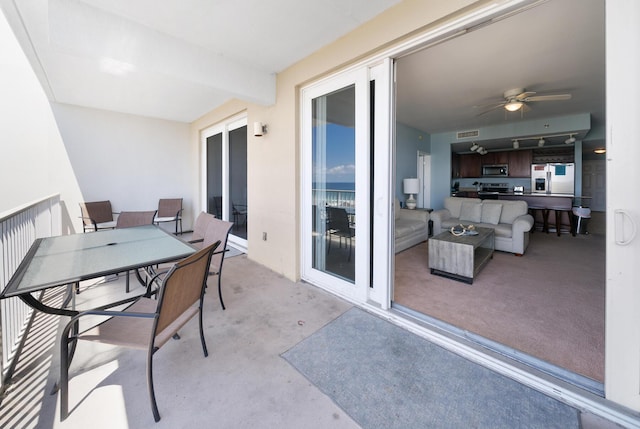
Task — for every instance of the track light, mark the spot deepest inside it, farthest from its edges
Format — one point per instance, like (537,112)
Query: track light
(474,147)
(570,140)
(516,144)
(541,142)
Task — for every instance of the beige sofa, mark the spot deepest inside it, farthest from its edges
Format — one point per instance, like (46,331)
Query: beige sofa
(509,219)
(411,227)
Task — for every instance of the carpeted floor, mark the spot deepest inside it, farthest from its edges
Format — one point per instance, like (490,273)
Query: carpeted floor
(548,303)
(385,377)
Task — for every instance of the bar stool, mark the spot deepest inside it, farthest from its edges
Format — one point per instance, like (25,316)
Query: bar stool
(581,213)
(533,209)
(563,207)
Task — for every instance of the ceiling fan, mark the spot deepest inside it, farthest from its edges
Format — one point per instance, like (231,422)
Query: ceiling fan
(517,98)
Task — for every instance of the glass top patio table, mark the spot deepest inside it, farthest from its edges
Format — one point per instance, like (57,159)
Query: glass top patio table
(56,261)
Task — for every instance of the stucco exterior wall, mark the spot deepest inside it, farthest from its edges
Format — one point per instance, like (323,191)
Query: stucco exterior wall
(33,164)
(274,160)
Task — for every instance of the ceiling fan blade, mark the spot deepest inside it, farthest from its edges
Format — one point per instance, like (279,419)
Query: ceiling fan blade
(495,106)
(524,96)
(491,105)
(550,97)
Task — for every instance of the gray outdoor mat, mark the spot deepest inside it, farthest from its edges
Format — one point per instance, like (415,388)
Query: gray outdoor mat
(385,377)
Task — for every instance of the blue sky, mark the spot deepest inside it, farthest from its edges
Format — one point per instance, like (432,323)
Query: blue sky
(340,154)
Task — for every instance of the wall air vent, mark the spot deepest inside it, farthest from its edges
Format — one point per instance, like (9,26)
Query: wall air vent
(468,134)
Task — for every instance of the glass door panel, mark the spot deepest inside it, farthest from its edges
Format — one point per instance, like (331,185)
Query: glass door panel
(214,175)
(333,185)
(225,175)
(336,185)
(238,208)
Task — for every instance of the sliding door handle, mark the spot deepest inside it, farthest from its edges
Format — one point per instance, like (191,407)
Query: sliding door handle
(622,237)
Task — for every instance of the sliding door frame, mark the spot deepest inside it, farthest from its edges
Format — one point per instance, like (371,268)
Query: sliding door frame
(223,128)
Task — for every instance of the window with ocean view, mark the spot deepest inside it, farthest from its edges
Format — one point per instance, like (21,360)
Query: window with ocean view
(333,193)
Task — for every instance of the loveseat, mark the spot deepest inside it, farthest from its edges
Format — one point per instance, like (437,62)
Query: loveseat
(509,219)
(411,227)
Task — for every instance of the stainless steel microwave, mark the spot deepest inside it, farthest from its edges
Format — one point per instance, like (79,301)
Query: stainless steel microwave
(497,170)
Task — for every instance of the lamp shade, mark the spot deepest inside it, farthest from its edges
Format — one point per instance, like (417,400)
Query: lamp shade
(411,185)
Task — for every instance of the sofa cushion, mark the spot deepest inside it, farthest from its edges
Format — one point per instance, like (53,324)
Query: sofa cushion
(491,213)
(405,227)
(512,210)
(471,211)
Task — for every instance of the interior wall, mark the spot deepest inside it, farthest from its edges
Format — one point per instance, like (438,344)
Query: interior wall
(132,161)
(408,142)
(34,162)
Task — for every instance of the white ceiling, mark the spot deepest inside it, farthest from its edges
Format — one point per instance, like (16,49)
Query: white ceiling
(178,59)
(174,59)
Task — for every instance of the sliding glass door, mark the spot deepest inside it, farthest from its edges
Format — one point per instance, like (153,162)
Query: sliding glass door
(225,169)
(337,185)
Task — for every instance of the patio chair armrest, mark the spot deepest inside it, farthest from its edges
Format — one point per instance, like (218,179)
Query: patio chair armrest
(158,276)
(90,220)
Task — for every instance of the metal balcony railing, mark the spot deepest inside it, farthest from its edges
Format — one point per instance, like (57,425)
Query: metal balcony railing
(18,230)
(335,198)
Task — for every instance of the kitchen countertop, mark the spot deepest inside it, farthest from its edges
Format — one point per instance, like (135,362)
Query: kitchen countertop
(511,193)
(533,194)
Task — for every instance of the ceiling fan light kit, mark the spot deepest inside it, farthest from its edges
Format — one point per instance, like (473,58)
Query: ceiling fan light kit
(517,98)
(513,106)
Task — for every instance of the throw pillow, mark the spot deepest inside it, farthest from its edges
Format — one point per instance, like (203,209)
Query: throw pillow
(471,211)
(491,213)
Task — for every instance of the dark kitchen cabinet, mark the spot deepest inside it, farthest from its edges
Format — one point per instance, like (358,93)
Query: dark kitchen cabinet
(470,165)
(455,165)
(494,158)
(520,163)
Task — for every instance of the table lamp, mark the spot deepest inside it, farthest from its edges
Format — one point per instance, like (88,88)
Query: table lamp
(411,187)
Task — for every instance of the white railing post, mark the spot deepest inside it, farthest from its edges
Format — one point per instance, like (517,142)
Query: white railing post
(18,230)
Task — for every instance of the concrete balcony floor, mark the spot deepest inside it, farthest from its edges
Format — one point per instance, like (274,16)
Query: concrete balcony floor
(243,383)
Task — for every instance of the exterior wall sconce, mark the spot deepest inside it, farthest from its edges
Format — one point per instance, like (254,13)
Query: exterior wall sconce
(259,129)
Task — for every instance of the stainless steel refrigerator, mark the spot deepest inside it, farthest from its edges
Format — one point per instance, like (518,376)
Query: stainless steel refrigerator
(553,178)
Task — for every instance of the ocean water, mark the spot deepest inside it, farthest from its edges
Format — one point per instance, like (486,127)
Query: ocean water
(339,186)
